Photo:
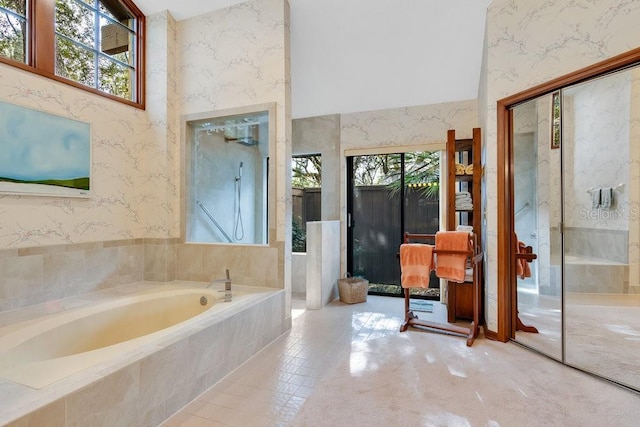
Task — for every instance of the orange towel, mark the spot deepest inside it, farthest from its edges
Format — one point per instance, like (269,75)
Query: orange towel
(522,266)
(452,266)
(416,263)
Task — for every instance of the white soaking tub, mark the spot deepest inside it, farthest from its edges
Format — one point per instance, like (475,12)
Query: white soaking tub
(49,349)
(159,344)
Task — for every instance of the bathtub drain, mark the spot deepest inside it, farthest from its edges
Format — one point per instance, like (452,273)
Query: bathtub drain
(203,300)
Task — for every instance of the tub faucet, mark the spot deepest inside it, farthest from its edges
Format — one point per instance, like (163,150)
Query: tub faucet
(227,286)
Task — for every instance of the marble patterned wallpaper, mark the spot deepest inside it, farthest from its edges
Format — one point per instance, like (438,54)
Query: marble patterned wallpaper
(237,57)
(528,43)
(134,157)
(419,125)
(634,185)
(121,137)
(135,153)
(234,57)
(162,160)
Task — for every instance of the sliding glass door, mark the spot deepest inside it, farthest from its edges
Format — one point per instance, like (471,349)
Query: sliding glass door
(389,194)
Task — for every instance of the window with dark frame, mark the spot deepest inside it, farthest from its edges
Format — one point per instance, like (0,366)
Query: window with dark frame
(93,44)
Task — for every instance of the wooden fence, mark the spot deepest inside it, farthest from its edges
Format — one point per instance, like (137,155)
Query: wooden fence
(377,227)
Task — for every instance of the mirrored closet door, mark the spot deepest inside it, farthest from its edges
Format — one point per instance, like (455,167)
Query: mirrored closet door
(576,205)
(537,220)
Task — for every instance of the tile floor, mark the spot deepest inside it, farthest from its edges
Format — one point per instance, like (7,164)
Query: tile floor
(270,388)
(340,366)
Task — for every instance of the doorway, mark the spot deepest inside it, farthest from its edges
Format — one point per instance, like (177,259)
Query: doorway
(388,194)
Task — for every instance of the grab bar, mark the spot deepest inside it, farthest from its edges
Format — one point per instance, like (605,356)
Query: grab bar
(526,205)
(213,220)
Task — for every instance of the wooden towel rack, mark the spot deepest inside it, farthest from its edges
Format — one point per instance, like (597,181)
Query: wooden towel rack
(473,254)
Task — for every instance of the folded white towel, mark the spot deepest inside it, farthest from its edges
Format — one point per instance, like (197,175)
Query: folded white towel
(463,194)
(464,207)
(468,275)
(595,198)
(464,228)
(606,198)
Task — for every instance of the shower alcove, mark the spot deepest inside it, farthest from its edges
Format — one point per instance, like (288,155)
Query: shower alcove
(226,176)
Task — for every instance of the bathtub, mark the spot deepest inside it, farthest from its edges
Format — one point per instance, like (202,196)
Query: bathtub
(49,349)
(190,341)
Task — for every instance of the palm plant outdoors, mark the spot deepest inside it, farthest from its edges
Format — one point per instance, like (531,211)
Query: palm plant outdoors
(421,171)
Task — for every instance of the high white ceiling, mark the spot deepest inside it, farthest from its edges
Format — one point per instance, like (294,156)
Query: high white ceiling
(361,55)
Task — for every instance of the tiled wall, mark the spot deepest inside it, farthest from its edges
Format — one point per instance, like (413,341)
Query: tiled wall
(33,275)
(323,263)
(38,274)
(321,134)
(581,273)
(160,261)
(251,265)
(611,245)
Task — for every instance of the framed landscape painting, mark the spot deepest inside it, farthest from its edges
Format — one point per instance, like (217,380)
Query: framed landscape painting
(43,154)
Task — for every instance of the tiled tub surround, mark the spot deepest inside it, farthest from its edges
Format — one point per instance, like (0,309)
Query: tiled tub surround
(611,245)
(589,275)
(145,385)
(34,275)
(37,274)
(596,261)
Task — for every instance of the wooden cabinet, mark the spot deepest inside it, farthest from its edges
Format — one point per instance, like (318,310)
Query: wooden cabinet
(463,179)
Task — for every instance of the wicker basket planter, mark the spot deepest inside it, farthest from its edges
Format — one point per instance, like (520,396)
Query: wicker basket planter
(353,290)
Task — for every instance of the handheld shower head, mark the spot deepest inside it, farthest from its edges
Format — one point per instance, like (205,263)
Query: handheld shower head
(239,177)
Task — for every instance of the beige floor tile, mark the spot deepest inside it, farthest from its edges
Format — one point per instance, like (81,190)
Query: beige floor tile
(349,365)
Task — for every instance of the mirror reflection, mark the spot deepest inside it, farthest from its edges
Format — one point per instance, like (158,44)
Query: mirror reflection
(537,220)
(601,169)
(577,206)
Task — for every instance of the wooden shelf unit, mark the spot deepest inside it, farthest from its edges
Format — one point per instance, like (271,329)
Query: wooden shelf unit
(464,151)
